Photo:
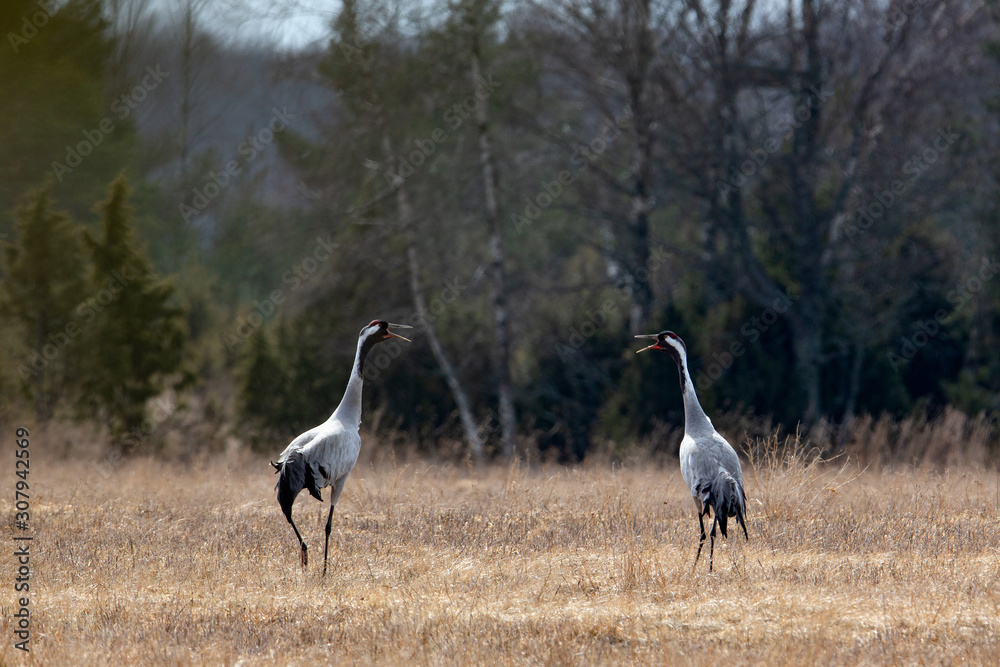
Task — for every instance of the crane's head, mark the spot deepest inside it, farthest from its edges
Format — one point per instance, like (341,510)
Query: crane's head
(671,343)
(378,331)
(666,341)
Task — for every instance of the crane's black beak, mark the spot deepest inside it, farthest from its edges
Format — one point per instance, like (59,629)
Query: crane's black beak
(653,336)
(399,326)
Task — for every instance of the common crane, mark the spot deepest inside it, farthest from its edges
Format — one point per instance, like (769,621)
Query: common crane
(324,456)
(709,464)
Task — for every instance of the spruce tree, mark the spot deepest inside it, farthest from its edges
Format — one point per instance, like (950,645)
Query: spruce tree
(137,336)
(43,284)
(263,389)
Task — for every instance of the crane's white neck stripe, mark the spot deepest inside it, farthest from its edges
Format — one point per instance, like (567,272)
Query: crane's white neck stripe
(695,418)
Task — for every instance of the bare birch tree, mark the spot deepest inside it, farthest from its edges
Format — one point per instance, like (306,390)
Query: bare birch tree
(475,17)
(359,42)
(606,50)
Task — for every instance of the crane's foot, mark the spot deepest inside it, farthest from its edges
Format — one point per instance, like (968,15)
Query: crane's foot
(305,555)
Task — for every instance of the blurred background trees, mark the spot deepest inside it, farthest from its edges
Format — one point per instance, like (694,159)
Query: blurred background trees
(807,192)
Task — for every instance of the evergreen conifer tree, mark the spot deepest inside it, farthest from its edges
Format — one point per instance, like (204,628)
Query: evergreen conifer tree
(263,388)
(43,285)
(137,336)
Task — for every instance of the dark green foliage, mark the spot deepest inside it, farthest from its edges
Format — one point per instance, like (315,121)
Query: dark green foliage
(254,250)
(264,391)
(576,389)
(44,282)
(293,383)
(135,336)
(572,395)
(54,102)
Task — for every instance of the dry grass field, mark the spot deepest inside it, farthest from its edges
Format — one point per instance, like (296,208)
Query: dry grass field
(192,563)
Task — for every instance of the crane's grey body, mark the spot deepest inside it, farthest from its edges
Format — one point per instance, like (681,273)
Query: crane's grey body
(709,464)
(325,455)
(322,456)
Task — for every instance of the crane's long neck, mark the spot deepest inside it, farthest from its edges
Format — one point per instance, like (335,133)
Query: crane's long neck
(349,410)
(695,418)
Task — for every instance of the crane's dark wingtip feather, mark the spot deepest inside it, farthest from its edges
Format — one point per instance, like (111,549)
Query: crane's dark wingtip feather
(740,516)
(311,483)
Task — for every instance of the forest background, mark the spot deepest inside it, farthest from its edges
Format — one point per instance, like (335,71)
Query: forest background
(198,217)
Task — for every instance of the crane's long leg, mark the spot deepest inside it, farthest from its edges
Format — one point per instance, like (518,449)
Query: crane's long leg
(701,543)
(305,549)
(711,544)
(338,487)
(329,523)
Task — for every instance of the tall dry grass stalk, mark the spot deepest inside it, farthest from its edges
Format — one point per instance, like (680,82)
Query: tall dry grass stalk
(191,562)
(953,438)
(792,478)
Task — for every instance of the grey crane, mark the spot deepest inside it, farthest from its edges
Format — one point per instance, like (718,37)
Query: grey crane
(325,455)
(709,464)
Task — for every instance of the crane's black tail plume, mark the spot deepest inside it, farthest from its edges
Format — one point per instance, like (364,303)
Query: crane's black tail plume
(726,498)
(295,474)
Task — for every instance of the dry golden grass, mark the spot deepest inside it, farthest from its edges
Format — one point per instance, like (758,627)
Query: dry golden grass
(173,563)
